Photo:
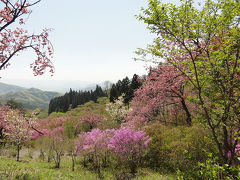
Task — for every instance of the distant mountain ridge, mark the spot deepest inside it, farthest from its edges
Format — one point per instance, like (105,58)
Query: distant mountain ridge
(61,86)
(31,98)
(6,88)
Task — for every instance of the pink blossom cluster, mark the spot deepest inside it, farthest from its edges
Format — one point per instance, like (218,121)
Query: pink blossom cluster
(17,128)
(51,123)
(126,142)
(237,150)
(7,13)
(90,118)
(3,112)
(56,133)
(94,141)
(163,88)
(15,40)
(51,127)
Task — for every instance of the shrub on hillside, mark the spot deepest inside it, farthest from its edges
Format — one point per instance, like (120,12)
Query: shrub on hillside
(129,145)
(94,146)
(178,148)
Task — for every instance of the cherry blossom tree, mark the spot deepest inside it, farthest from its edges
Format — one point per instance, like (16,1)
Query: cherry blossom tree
(52,122)
(14,39)
(3,113)
(91,120)
(18,129)
(163,94)
(51,138)
(53,142)
(58,142)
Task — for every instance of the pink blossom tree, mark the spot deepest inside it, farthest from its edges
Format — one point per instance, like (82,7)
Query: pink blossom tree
(18,129)
(53,142)
(14,39)
(51,123)
(129,145)
(58,142)
(163,92)
(91,119)
(3,113)
(52,138)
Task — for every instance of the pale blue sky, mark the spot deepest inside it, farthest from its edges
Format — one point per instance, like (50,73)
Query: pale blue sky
(93,40)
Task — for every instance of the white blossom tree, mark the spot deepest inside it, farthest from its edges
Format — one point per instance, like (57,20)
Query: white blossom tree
(117,110)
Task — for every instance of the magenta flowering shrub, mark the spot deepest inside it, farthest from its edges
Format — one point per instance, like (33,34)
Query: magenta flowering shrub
(127,141)
(95,140)
(94,145)
(129,145)
(237,151)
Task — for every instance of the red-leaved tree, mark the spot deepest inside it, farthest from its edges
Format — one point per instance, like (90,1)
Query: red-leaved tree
(14,39)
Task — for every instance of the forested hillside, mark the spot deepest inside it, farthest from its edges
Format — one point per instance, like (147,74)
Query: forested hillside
(127,87)
(6,88)
(30,98)
(74,98)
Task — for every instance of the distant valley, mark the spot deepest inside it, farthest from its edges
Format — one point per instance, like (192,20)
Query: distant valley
(31,98)
(6,88)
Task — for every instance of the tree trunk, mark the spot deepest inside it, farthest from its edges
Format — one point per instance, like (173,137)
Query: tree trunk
(57,160)
(49,158)
(18,152)
(189,119)
(42,156)
(73,162)
(133,168)
(84,161)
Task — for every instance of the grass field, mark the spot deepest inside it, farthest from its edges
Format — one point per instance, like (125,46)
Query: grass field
(36,169)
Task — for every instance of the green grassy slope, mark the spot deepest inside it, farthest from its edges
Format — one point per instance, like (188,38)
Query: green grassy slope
(41,170)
